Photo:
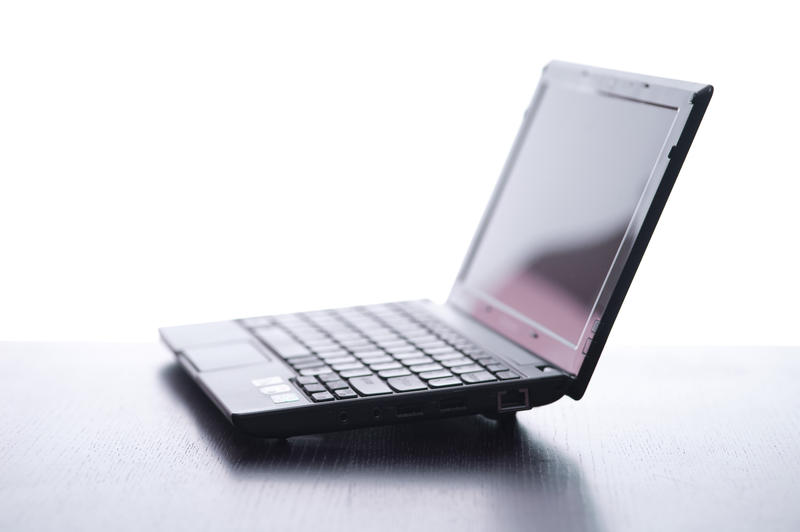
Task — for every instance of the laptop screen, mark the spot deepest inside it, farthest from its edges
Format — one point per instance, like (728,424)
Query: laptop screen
(567,204)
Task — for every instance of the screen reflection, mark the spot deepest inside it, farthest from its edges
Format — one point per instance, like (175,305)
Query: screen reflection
(565,207)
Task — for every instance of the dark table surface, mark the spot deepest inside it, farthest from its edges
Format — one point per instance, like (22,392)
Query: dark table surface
(116,437)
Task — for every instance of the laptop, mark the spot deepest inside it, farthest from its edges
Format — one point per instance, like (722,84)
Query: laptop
(532,306)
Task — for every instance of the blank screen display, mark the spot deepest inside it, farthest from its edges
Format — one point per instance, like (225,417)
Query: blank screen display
(565,207)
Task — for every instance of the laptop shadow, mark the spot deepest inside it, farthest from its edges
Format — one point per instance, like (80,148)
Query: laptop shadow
(529,482)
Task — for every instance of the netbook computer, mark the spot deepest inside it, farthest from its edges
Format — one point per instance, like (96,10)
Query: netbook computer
(530,311)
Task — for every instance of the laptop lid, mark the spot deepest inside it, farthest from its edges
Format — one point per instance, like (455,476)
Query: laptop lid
(577,201)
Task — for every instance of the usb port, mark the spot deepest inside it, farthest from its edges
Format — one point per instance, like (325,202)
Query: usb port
(452,405)
(409,411)
(513,400)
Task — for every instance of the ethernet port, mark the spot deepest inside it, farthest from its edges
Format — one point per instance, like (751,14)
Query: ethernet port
(513,400)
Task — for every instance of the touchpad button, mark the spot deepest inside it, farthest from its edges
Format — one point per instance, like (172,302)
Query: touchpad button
(220,356)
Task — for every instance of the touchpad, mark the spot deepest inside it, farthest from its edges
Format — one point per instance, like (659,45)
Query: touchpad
(226,355)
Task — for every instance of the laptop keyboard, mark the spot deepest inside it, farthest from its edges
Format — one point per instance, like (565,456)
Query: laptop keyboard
(374,350)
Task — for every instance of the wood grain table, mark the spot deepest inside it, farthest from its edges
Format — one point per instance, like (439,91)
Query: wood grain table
(116,437)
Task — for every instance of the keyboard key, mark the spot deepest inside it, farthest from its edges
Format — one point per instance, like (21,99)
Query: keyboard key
(289,320)
(355,373)
(316,371)
(347,336)
(420,368)
(416,361)
(446,381)
(280,342)
(406,384)
(496,367)
(355,342)
(302,360)
(354,345)
(345,367)
(485,361)
(507,375)
(377,359)
(337,384)
(448,356)
(322,396)
(306,380)
(479,376)
(306,334)
(371,385)
(409,327)
(393,343)
(252,323)
(322,344)
(436,344)
(340,360)
(371,352)
(463,361)
(422,338)
(385,365)
(382,336)
(458,370)
(381,332)
(304,365)
(325,377)
(439,350)
(333,351)
(387,373)
(428,375)
(345,393)
(401,350)
(410,354)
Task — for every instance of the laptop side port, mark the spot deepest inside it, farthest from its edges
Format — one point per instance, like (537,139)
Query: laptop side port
(513,400)
(452,405)
(409,411)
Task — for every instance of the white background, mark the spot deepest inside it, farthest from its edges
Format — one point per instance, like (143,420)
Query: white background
(173,162)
